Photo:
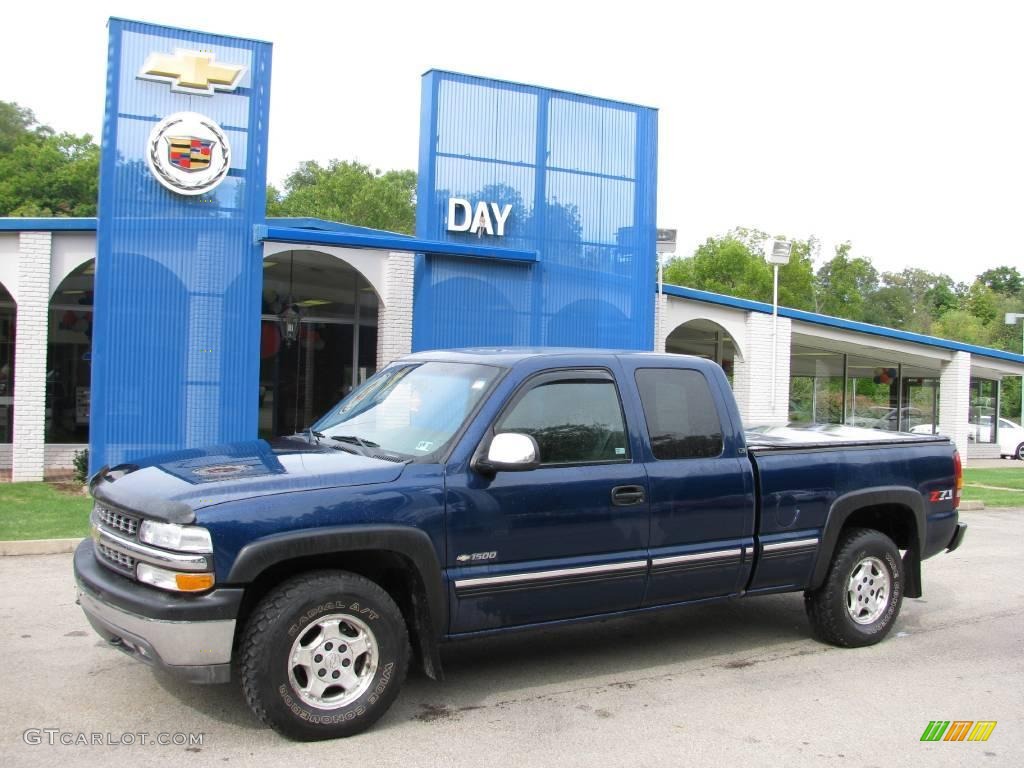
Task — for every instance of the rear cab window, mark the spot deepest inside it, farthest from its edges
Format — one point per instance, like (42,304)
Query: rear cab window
(682,419)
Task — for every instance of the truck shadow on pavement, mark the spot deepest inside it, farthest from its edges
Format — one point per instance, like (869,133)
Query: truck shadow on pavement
(503,670)
(621,653)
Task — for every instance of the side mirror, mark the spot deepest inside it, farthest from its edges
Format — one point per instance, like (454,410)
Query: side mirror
(510,452)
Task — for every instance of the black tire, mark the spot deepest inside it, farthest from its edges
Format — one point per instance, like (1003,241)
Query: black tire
(828,607)
(288,615)
(1020,452)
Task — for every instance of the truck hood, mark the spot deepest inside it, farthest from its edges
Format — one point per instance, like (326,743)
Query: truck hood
(173,486)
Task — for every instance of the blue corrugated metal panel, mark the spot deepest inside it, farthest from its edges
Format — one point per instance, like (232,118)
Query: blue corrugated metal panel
(302,222)
(178,279)
(55,224)
(579,173)
(389,242)
(838,322)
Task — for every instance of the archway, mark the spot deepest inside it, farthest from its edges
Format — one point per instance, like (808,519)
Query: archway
(69,357)
(707,339)
(318,337)
(8,315)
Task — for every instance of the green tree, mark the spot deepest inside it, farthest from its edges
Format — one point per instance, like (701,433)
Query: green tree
(913,299)
(350,192)
(844,285)
(43,173)
(961,325)
(892,306)
(1004,280)
(734,264)
(981,302)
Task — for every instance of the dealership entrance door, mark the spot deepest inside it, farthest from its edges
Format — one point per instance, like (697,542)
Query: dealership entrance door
(318,338)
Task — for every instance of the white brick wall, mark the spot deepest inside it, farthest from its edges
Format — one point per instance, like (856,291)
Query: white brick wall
(34,252)
(752,374)
(394,324)
(955,401)
(660,332)
(61,456)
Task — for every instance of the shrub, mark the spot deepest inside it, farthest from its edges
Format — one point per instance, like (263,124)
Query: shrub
(81,465)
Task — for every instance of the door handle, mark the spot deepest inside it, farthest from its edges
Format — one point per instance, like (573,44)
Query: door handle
(627,495)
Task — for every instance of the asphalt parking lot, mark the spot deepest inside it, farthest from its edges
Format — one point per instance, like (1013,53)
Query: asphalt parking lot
(740,683)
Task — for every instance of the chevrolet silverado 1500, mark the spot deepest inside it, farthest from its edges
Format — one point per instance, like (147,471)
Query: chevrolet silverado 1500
(461,493)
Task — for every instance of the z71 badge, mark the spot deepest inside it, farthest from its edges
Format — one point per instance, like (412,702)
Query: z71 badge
(946,495)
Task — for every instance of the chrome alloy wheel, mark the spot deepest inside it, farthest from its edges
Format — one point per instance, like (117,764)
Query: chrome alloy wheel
(867,591)
(332,661)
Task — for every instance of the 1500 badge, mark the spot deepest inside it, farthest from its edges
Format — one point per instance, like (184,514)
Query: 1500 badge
(476,557)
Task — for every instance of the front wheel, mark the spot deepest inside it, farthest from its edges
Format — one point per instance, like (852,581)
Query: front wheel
(860,599)
(1020,452)
(323,655)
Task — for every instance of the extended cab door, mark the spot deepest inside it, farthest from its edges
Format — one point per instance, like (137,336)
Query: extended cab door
(566,539)
(700,484)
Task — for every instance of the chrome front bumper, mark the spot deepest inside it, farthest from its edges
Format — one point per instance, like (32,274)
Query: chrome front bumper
(199,651)
(190,637)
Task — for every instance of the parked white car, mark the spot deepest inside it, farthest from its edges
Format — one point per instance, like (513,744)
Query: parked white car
(1011,439)
(1011,435)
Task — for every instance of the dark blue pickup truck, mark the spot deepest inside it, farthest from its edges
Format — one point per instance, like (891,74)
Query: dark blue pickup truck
(461,493)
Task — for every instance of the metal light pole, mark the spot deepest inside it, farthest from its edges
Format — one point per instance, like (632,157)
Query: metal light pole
(1012,318)
(666,248)
(778,257)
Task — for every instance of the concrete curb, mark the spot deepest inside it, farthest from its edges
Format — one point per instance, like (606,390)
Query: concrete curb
(38,547)
(971,506)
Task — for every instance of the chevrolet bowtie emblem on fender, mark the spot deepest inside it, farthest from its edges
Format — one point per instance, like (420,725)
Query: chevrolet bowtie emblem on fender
(192,72)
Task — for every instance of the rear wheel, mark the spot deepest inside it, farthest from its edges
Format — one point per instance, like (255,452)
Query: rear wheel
(1020,452)
(860,599)
(323,655)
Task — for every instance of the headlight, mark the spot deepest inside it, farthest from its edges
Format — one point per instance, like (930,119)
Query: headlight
(172,580)
(183,538)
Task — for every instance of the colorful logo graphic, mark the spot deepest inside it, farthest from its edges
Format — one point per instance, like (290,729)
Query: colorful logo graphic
(189,153)
(958,730)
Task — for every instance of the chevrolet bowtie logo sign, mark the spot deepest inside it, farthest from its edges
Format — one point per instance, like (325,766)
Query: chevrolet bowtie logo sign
(191,72)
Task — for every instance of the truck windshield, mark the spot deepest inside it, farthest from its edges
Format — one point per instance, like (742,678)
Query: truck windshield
(412,409)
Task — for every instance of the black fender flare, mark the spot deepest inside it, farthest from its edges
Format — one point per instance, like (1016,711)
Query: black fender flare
(848,503)
(411,543)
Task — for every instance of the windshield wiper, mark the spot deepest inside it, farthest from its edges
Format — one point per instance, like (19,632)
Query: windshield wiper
(354,439)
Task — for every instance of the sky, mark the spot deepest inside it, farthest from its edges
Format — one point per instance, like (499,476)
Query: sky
(894,125)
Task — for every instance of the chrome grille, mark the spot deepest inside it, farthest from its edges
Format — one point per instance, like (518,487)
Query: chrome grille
(117,521)
(117,560)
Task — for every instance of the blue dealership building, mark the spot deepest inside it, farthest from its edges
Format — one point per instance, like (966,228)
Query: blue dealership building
(182,316)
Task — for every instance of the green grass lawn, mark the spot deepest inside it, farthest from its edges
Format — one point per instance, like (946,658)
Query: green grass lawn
(42,511)
(1009,477)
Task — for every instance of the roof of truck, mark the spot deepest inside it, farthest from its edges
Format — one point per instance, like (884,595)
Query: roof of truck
(509,356)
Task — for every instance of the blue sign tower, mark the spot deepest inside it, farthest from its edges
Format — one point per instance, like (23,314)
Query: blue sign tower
(178,273)
(574,178)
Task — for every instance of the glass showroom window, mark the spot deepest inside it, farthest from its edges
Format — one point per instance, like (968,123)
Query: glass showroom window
(69,358)
(920,400)
(872,393)
(982,413)
(815,386)
(7,315)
